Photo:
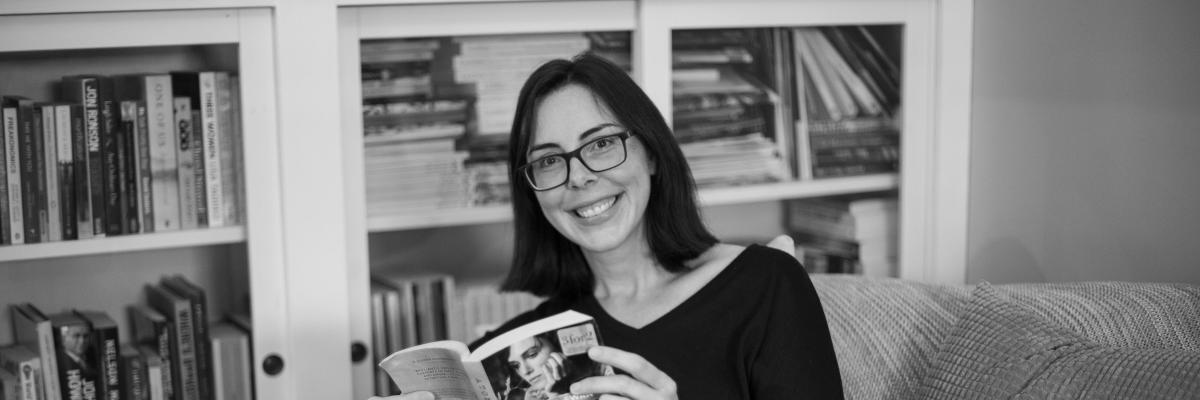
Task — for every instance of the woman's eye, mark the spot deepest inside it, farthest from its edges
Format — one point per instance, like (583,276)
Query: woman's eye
(547,162)
(603,143)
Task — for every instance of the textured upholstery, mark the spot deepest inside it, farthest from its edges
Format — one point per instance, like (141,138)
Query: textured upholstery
(886,332)
(1002,350)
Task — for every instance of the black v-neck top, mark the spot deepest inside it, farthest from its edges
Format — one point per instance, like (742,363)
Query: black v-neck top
(755,331)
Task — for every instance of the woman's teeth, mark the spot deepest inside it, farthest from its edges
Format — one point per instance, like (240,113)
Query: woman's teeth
(596,208)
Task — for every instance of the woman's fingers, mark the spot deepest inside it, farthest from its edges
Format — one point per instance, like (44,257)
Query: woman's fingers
(635,365)
(622,385)
(408,396)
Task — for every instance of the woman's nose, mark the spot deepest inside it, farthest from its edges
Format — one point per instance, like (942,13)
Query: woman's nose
(579,175)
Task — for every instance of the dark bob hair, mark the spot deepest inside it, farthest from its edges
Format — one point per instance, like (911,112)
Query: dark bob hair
(545,263)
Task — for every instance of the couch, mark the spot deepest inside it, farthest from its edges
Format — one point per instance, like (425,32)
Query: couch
(899,339)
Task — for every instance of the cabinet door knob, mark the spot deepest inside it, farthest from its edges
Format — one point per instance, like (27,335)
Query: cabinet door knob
(273,364)
(358,352)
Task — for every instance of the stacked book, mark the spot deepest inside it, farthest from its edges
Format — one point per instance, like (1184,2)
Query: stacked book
(722,112)
(849,98)
(409,130)
(172,351)
(122,154)
(846,235)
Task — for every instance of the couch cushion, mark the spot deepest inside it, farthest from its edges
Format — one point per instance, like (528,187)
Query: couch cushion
(1000,349)
(1122,314)
(885,331)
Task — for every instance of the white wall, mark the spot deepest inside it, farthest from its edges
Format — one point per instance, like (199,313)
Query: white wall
(1085,158)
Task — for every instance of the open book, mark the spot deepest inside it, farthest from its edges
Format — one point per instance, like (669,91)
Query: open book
(538,360)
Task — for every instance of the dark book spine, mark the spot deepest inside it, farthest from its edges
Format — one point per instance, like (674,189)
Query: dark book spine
(133,375)
(29,175)
(93,122)
(110,157)
(145,176)
(84,227)
(129,169)
(201,185)
(5,222)
(106,352)
(42,207)
(77,379)
(198,301)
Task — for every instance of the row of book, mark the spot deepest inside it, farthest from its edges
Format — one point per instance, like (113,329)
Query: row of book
(408,310)
(437,113)
(122,154)
(857,235)
(172,351)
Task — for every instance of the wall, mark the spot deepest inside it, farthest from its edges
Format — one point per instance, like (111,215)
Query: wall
(1085,141)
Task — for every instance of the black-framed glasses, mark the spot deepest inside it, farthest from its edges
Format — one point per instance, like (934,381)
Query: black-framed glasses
(599,155)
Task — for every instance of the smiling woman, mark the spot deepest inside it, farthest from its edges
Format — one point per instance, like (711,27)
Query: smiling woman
(606,223)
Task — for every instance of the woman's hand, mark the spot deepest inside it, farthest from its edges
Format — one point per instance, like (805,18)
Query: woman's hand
(408,396)
(644,382)
(553,369)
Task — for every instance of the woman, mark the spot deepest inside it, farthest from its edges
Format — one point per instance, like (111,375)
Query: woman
(606,223)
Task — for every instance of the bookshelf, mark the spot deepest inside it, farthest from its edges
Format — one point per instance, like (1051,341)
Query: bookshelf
(307,246)
(47,40)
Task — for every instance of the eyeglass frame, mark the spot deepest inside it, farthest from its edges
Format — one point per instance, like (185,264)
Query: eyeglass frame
(578,154)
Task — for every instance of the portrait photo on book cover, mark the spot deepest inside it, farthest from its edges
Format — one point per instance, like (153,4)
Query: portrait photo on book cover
(543,366)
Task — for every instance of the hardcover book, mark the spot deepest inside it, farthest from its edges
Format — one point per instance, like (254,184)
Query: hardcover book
(103,352)
(178,310)
(32,329)
(538,360)
(78,377)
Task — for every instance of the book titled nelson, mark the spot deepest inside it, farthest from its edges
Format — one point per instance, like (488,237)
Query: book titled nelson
(538,360)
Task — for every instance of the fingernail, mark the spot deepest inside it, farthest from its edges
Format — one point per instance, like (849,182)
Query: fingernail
(575,388)
(593,351)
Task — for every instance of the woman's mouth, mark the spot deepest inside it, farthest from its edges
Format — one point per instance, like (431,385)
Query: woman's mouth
(597,208)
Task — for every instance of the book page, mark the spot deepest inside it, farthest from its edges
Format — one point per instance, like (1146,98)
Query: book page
(434,367)
(542,359)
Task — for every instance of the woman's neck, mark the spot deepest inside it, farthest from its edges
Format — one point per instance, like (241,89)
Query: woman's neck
(628,272)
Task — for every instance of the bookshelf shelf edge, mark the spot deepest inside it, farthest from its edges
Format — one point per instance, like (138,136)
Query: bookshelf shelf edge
(118,244)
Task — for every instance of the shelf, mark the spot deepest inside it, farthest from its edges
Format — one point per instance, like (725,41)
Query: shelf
(121,244)
(12,7)
(796,190)
(708,197)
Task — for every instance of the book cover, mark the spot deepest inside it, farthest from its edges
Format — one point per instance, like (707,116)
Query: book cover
(12,168)
(86,90)
(198,301)
(231,363)
(178,310)
(78,377)
(539,360)
(32,329)
(152,331)
(133,373)
(65,122)
(103,352)
(24,363)
(188,212)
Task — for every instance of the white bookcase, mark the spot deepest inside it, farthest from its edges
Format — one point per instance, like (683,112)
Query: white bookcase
(303,252)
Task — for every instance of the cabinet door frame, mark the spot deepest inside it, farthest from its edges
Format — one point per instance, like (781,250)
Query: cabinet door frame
(432,20)
(933,176)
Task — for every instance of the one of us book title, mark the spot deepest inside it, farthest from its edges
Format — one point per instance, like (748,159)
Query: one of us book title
(538,360)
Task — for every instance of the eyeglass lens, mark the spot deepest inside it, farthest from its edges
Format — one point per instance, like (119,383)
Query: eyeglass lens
(598,155)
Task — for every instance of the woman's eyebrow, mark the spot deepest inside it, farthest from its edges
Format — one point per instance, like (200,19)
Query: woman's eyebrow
(582,136)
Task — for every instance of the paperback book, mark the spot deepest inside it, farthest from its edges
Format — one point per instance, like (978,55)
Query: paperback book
(538,360)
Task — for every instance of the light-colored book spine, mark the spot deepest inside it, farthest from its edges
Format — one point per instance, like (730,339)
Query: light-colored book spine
(12,167)
(231,159)
(187,168)
(211,128)
(231,362)
(145,171)
(163,164)
(49,137)
(236,209)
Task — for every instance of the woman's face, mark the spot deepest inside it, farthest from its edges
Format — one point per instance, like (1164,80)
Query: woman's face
(599,211)
(527,358)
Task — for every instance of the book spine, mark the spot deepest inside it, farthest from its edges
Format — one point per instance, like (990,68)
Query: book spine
(12,166)
(55,191)
(66,172)
(48,176)
(130,196)
(157,377)
(76,380)
(210,128)
(29,171)
(110,158)
(186,169)
(5,224)
(199,178)
(133,374)
(184,330)
(235,207)
(145,176)
(93,123)
(106,352)
(163,164)
(22,363)
(82,186)
(202,346)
